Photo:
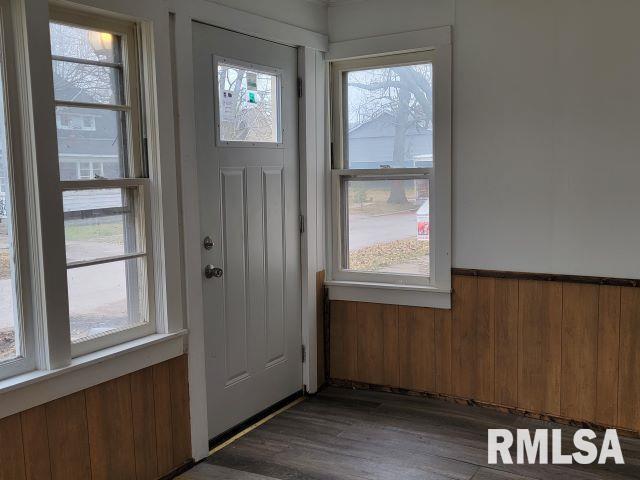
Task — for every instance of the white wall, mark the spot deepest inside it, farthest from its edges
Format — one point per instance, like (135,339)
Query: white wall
(546,148)
(308,14)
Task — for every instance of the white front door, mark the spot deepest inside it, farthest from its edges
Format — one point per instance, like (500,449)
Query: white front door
(247,146)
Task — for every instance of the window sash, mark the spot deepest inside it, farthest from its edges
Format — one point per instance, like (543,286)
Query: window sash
(340,225)
(339,70)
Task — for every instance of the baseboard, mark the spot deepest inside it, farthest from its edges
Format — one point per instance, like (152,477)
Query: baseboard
(188,465)
(476,403)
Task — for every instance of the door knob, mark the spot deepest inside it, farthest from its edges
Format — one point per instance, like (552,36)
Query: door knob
(210,271)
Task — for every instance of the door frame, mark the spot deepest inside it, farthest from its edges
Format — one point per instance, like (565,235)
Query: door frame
(311,133)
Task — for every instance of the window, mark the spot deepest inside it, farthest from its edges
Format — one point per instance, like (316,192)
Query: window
(96,86)
(16,347)
(384,214)
(248,103)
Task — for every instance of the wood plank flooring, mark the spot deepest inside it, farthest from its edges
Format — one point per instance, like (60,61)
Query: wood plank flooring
(350,434)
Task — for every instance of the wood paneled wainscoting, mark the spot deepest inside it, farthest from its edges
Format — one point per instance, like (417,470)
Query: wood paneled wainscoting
(565,349)
(133,427)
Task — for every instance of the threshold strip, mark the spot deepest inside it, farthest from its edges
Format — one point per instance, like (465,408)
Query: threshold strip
(255,425)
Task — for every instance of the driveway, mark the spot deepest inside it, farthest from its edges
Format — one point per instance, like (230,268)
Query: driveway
(99,299)
(366,230)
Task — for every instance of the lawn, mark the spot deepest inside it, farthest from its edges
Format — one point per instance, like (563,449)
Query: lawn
(103,232)
(375,257)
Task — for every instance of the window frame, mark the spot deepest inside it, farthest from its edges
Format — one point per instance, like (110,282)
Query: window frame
(133,175)
(25,359)
(389,287)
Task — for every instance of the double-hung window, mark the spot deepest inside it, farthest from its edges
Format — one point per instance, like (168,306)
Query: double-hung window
(103,179)
(385,215)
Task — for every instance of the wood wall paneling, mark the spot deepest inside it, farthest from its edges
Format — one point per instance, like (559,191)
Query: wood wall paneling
(629,387)
(416,340)
(506,342)
(11,450)
(133,427)
(162,407)
(344,340)
(109,421)
(608,355)
(472,340)
(37,462)
(465,291)
(68,437)
(539,345)
(565,349)
(442,332)
(144,424)
(180,423)
(579,351)
(370,343)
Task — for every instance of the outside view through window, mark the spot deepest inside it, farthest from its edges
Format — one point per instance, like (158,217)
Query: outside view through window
(8,315)
(389,125)
(100,224)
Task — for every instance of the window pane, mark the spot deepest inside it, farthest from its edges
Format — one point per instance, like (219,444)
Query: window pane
(84,44)
(100,223)
(106,297)
(8,304)
(389,117)
(388,226)
(78,82)
(248,105)
(91,136)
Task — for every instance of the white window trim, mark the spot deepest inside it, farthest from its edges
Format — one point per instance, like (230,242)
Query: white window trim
(387,289)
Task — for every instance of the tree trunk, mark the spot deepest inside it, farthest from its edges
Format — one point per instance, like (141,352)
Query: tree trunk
(397,194)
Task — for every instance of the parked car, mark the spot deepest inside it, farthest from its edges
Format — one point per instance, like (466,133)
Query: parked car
(422,221)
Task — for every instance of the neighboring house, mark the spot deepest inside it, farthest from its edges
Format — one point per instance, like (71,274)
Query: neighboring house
(89,147)
(371,144)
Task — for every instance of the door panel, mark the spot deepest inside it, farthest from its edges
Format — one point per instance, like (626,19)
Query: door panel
(249,204)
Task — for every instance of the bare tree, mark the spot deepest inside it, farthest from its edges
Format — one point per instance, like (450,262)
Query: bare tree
(248,114)
(79,81)
(402,93)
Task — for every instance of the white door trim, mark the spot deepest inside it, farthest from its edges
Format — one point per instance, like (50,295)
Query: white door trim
(185,12)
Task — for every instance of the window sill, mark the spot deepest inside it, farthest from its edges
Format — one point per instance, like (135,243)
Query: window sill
(415,296)
(28,390)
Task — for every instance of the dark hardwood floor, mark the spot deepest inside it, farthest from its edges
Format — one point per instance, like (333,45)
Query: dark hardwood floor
(350,434)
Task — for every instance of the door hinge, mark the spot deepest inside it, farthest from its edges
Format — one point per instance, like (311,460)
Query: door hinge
(304,353)
(299,87)
(302,224)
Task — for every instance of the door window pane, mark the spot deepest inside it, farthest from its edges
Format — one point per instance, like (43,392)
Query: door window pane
(248,103)
(387,226)
(8,305)
(389,117)
(91,136)
(106,297)
(100,223)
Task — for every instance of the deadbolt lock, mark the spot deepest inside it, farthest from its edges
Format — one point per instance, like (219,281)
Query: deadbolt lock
(207,243)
